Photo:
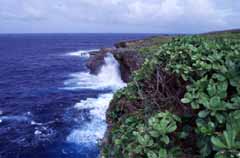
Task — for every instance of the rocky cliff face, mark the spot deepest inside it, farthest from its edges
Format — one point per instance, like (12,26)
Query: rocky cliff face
(126,53)
(129,60)
(96,59)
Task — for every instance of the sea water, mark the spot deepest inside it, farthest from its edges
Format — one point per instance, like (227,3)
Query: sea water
(50,105)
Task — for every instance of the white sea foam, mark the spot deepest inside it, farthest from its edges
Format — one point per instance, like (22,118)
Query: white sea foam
(89,134)
(81,53)
(36,123)
(108,77)
(98,106)
(93,131)
(14,118)
(37,132)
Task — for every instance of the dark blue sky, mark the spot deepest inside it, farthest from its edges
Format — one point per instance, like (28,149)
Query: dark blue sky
(97,16)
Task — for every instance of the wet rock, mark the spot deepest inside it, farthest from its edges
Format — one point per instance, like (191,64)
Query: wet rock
(128,59)
(126,53)
(96,60)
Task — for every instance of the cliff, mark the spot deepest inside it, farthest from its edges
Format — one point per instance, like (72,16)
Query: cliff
(182,102)
(127,53)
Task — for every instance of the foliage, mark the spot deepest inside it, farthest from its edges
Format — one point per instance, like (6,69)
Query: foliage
(214,71)
(193,78)
(133,137)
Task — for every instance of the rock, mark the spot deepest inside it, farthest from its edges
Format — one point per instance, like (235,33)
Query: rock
(129,61)
(146,42)
(129,44)
(96,60)
(126,53)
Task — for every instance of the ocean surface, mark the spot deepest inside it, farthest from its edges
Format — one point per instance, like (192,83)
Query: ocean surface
(50,106)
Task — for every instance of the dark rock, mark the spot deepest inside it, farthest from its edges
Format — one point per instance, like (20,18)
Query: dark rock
(96,60)
(129,61)
(126,53)
(128,44)
(146,42)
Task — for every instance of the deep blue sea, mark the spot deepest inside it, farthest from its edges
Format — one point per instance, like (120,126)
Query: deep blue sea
(50,106)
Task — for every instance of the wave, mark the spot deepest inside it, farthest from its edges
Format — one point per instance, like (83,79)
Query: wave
(94,130)
(14,118)
(81,53)
(108,77)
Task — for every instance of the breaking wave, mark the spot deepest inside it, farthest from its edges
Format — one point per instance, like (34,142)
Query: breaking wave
(81,53)
(95,129)
(108,78)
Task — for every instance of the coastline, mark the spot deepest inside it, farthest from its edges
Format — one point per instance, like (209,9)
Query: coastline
(135,55)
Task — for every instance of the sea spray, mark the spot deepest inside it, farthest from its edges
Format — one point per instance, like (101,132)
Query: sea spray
(108,78)
(94,130)
(81,53)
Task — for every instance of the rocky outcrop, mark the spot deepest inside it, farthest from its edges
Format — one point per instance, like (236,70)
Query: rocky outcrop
(129,44)
(126,53)
(129,61)
(147,42)
(96,59)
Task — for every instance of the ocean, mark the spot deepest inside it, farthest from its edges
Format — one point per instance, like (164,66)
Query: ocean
(50,105)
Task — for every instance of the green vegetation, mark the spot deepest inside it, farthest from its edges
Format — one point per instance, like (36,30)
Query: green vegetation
(183,103)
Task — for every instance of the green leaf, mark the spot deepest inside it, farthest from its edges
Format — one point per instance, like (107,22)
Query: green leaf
(219,77)
(151,154)
(236,101)
(154,134)
(220,118)
(229,137)
(185,100)
(150,143)
(162,153)
(218,143)
(234,82)
(222,89)
(204,100)
(143,139)
(211,89)
(203,114)
(171,128)
(215,103)
(117,142)
(165,139)
(195,105)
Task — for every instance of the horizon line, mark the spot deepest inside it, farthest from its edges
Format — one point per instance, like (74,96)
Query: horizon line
(92,33)
(159,33)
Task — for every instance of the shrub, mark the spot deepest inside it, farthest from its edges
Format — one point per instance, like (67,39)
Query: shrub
(186,100)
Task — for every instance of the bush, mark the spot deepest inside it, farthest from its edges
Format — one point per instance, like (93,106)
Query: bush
(186,100)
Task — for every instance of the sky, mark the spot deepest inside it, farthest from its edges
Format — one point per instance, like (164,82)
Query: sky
(118,16)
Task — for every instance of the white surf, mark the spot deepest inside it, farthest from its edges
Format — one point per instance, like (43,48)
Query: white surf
(108,78)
